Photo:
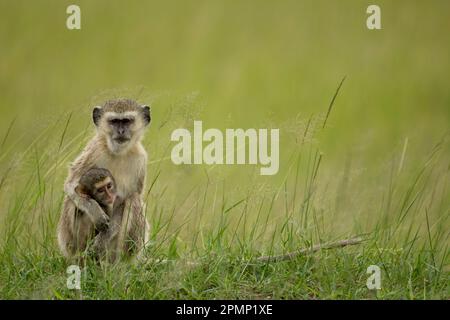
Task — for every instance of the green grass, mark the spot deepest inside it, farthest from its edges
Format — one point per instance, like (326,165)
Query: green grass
(379,167)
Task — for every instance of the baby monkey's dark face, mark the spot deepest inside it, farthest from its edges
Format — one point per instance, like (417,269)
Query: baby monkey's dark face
(98,184)
(104,192)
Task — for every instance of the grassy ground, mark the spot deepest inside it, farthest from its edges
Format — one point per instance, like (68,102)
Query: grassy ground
(378,167)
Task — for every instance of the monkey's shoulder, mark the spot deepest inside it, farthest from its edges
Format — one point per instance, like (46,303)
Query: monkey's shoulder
(93,149)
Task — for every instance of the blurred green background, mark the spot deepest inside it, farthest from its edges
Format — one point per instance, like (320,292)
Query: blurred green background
(248,60)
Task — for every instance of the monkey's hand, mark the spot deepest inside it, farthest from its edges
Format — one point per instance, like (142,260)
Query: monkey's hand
(92,209)
(101,222)
(96,214)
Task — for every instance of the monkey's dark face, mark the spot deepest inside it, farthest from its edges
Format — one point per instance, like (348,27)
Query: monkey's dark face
(122,128)
(122,122)
(104,192)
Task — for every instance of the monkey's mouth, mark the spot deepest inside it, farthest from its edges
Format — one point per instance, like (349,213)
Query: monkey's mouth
(121,140)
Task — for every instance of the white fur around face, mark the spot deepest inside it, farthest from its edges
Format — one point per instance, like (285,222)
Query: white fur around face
(126,171)
(122,115)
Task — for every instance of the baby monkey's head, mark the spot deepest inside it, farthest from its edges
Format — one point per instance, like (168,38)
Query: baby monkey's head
(98,184)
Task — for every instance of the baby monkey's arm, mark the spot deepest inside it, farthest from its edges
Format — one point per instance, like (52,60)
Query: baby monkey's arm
(106,242)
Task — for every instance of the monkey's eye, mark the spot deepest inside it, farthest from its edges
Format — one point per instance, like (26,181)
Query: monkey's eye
(127,121)
(124,121)
(109,186)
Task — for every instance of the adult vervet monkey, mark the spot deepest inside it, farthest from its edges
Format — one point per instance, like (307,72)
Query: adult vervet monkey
(117,147)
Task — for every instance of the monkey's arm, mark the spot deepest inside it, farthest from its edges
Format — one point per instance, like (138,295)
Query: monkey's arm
(105,243)
(142,176)
(135,225)
(89,206)
(134,228)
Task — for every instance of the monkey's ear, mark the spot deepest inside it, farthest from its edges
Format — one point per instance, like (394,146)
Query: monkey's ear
(146,114)
(97,114)
(81,191)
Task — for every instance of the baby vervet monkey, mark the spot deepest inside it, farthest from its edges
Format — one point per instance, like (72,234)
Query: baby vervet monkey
(98,184)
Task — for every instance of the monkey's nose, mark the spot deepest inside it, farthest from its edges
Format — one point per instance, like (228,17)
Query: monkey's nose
(111,199)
